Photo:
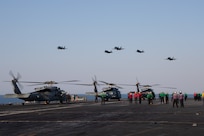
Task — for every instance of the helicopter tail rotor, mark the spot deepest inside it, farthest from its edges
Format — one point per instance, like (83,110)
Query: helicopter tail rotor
(15,82)
(95,83)
(16,78)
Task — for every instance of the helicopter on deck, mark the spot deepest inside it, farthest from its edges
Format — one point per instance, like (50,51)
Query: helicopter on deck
(112,91)
(46,93)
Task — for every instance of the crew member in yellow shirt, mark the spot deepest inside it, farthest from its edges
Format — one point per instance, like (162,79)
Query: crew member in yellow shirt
(203,97)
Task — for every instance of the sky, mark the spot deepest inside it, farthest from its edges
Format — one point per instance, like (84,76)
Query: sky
(31,30)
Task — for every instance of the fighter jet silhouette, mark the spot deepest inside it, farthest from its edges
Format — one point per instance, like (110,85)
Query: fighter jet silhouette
(118,48)
(170,58)
(106,51)
(140,51)
(61,48)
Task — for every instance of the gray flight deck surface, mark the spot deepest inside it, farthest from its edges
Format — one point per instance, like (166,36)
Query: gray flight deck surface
(116,118)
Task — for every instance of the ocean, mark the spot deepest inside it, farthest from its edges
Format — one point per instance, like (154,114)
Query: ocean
(4,100)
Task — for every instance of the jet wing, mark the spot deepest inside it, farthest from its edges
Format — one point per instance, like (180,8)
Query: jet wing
(16,95)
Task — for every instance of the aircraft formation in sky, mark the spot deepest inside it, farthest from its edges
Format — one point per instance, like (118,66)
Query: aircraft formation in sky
(121,48)
(138,51)
(117,48)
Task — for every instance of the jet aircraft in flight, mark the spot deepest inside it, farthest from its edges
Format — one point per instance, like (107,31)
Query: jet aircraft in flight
(118,48)
(61,48)
(170,58)
(140,51)
(107,51)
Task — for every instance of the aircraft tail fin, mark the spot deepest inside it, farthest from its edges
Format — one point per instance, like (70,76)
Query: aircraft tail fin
(16,88)
(15,81)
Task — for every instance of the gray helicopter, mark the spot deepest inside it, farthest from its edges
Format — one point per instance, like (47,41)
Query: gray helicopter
(46,93)
(111,92)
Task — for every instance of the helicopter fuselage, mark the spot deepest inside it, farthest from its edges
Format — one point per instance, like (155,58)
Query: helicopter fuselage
(112,93)
(47,94)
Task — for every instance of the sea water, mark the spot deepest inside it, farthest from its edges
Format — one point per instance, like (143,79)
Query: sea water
(4,100)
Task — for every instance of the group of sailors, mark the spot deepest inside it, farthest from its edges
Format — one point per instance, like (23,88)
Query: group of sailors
(176,98)
(164,97)
(138,96)
(199,96)
(135,96)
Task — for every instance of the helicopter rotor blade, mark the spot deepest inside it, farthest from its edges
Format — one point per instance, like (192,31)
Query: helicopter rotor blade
(11,73)
(95,78)
(85,84)
(50,82)
(95,81)
(16,78)
(30,82)
(169,87)
(40,83)
(118,87)
(146,86)
(36,84)
(69,81)
(105,82)
(47,82)
(155,85)
(111,84)
(127,84)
